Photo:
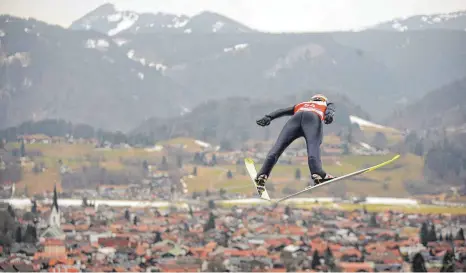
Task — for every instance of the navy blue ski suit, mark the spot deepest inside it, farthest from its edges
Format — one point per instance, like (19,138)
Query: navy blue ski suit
(305,124)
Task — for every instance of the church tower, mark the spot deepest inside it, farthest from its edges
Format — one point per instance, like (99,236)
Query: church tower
(55,214)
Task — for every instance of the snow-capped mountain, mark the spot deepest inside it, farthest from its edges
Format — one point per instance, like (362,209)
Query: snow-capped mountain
(451,21)
(47,71)
(107,19)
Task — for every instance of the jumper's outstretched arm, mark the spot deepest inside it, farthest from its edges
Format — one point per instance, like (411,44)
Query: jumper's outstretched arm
(289,111)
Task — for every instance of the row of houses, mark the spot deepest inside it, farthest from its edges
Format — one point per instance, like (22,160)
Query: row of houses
(260,238)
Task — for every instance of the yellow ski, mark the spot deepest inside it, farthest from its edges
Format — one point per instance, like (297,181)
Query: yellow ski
(341,178)
(253,173)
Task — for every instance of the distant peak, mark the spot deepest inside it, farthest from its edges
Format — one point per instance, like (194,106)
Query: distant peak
(214,16)
(209,13)
(110,20)
(450,20)
(105,8)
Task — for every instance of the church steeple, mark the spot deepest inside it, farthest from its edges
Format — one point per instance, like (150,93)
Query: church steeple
(55,213)
(55,198)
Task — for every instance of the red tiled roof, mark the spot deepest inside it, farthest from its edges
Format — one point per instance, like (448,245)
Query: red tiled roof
(199,252)
(64,269)
(347,252)
(355,267)
(211,245)
(277,242)
(334,247)
(318,245)
(142,228)
(54,242)
(113,242)
(59,260)
(45,255)
(140,250)
(66,227)
(83,227)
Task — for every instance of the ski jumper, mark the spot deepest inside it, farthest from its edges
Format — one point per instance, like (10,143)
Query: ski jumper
(306,121)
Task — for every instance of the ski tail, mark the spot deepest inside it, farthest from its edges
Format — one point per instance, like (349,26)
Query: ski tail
(253,173)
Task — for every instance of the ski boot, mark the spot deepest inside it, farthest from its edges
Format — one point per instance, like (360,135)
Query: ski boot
(260,183)
(318,179)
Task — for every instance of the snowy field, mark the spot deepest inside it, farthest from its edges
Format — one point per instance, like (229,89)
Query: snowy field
(24,203)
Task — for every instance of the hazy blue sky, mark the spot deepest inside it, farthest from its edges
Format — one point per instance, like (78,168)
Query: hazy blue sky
(268,15)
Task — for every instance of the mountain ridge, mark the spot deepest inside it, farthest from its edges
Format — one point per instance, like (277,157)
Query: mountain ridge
(180,23)
(50,72)
(451,20)
(107,19)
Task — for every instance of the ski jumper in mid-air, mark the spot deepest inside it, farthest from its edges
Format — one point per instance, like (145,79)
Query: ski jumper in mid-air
(306,121)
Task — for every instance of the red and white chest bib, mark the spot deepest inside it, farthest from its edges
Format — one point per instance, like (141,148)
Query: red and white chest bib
(317,107)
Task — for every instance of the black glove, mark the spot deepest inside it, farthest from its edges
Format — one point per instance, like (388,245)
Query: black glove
(264,121)
(328,116)
(328,119)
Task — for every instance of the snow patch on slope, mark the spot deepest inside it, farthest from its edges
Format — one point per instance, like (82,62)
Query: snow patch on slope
(429,20)
(159,67)
(125,23)
(366,146)
(97,44)
(218,26)
(179,23)
(2,33)
(202,143)
(184,110)
(438,18)
(363,122)
(156,148)
(130,54)
(22,57)
(120,42)
(398,26)
(236,47)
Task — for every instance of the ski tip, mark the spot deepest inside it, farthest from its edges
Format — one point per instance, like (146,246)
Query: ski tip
(249,160)
(383,164)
